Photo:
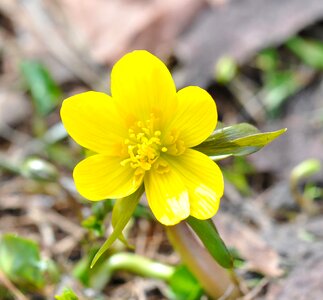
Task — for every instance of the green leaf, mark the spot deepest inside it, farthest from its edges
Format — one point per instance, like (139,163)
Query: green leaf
(209,236)
(184,285)
(237,173)
(308,50)
(20,261)
(143,211)
(237,140)
(129,205)
(279,85)
(44,91)
(267,60)
(225,69)
(305,169)
(95,222)
(39,170)
(67,294)
(119,208)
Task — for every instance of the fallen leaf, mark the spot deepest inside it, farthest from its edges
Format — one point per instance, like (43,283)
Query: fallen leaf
(111,28)
(239,29)
(260,257)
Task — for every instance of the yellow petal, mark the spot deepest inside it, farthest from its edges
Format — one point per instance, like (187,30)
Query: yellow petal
(196,115)
(92,121)
(99,177)
(203,180)
(141,84)
(167,196)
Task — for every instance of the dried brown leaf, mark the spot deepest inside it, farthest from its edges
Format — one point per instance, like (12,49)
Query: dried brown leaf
(259,255)
(111,28)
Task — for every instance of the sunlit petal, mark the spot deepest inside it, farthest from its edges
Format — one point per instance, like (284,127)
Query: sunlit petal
(203,180)
(167,196)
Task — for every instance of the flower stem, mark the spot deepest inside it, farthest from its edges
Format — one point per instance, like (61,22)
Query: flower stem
(302,171)
(216,281)
(139,265)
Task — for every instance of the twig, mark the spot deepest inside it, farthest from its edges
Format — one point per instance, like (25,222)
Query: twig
(247,99)
(44,26)
(11,287)
(254,292)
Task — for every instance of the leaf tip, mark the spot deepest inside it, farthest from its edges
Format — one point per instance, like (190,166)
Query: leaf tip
(95,259)
(92,264)
(281,131)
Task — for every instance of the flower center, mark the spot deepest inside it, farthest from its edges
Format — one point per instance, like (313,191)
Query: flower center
(143,144)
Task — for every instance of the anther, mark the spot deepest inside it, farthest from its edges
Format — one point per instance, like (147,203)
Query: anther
(145,130)
(124,162)
(144,145)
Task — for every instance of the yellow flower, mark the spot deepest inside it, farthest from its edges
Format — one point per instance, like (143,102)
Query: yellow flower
(143,134)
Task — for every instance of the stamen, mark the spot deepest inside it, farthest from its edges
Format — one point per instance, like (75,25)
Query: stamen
(175,145)
(143,145)
(161,167)
(139,174)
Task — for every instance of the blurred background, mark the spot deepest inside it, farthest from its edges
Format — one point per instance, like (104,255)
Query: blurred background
(262,61)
